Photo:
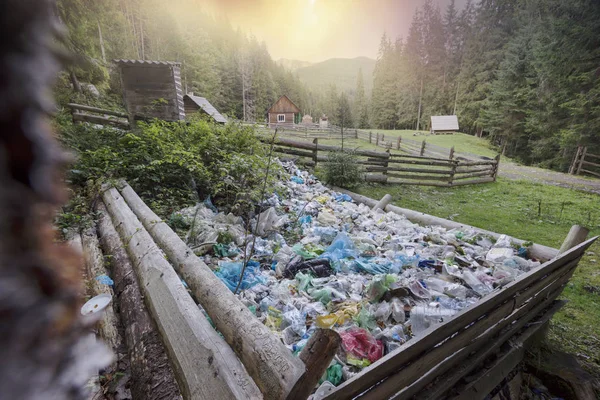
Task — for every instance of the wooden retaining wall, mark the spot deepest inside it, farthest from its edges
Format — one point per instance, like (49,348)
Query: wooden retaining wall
(245,362)
(384,167)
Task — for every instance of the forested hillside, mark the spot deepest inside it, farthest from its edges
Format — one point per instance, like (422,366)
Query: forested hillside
(524,72)
(343,72)
(218,62)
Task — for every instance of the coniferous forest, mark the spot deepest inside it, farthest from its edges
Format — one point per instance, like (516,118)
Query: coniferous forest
(524,73)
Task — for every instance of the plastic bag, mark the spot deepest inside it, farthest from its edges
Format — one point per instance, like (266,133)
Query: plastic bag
(297,179)
(105,280)
(304,252)
(330,320)
(398,314)
(269,221)
(378,286)
(334,374)
(294,319)
(361,344)
(274,319)
(226,250)
(342,197)
(341,247)
(230,272)
(326,218)
(365,319)
(303,281)
(306,219)
(327,234)
(382,311)
(208,204)
(318,267)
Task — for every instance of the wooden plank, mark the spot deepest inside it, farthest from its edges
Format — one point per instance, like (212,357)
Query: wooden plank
(423,170)
(434,335)
(439,388)
(204,364)
(74,106)
(300,153)
(420,177)
(420,162)
(514,321)
(316,355)
(589,162)
(590,172)
(151,375)
(536,250)
(376,178)
(417,183)
(473,174)
(272,366)
(577,234)
(592,155)
(95,119)
(473,182)
(473,163)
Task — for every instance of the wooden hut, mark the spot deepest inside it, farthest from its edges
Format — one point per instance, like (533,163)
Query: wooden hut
(152,89)
(283,112)
(196,104)
(442,124)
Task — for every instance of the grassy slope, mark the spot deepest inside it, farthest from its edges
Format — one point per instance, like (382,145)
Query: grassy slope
(512,207)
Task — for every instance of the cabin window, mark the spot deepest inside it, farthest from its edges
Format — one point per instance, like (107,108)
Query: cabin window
(280,117)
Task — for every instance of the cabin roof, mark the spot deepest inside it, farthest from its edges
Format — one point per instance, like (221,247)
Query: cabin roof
(146,62)
(444,123)
(284,105)
(207,108)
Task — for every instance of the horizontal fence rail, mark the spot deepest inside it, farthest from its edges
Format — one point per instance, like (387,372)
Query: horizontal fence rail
(94,115)
(384,167)
(583,163)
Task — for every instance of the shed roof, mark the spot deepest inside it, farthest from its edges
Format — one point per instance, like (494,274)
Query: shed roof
(444,123)
(284,105)
(207,108)
(145,62)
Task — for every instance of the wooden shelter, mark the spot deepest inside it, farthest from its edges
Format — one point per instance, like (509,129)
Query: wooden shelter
(152,89)
(196,104)
(441,124)
(283,112)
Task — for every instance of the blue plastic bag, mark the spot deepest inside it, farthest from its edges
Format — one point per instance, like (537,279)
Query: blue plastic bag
(341,197)
(208,203)
(297,179)
(342,247)
(230,273)
(105,280)
(306,219)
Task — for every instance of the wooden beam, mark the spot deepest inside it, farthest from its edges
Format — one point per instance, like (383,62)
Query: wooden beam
(316,355)
(204,364)
(151,375)
(401,169)
(577,234)
(272,366)
(440,178)
(74,106)
(385,200)
(94,119)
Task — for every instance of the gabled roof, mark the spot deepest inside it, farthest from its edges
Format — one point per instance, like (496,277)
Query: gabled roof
(207,108)
(283,105)
(444,123)
(145,62)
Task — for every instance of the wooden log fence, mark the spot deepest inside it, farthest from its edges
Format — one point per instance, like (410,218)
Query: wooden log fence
(245,363)
(99,116)
(580,164)
(385,167)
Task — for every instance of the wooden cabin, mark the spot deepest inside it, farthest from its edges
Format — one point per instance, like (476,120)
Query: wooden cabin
(442,124)
(283,112)
(196,104)
(152,89)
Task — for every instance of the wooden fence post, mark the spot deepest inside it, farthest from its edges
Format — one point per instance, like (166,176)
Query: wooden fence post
(573,165)
(382,137)
(386,165)
(581,160)
(423,147)
(315,151)
(452,172)
(356,134)
(452,153)
(399,141)
(496,167)
(370,134)
(377,140)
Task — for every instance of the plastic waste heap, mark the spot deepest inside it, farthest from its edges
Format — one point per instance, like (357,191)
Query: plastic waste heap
(322,261)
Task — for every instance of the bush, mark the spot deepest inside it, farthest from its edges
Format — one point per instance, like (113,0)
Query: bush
(342,169)
(174,164)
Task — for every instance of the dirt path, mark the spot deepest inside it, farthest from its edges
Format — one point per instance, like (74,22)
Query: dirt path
(514,171)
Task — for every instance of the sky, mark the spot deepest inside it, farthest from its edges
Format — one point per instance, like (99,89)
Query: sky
(316,30)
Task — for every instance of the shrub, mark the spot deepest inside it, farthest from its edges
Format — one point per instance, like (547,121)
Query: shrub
(173,164)
(342,169)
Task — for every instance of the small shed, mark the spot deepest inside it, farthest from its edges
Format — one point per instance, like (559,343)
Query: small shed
(283,112)
(444,124)
(307,120)
(196,104)
(323,122)
(152,89)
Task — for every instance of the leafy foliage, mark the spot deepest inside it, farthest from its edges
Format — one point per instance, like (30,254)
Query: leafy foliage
(342,169)
(174,164)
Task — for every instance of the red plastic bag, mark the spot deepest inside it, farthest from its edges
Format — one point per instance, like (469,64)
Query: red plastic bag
(361,344)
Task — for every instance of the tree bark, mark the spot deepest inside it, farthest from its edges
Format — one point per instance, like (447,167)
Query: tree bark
(204,365)
(75,81)
(269,362)
(151,375)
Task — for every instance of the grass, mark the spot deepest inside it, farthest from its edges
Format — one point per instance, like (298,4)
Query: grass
(461,141)
(530,211)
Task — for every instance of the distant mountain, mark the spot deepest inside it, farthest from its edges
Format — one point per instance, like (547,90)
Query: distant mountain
(293,65)
(341,71)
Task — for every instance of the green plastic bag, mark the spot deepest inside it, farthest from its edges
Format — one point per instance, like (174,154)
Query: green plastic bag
(303,281)
(304,252)
(333,374)
(378,286)
(322,295)
(365,319)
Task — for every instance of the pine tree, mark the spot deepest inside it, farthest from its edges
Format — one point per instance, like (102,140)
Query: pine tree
(360,104)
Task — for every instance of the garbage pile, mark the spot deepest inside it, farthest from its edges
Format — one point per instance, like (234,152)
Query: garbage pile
(319,260)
